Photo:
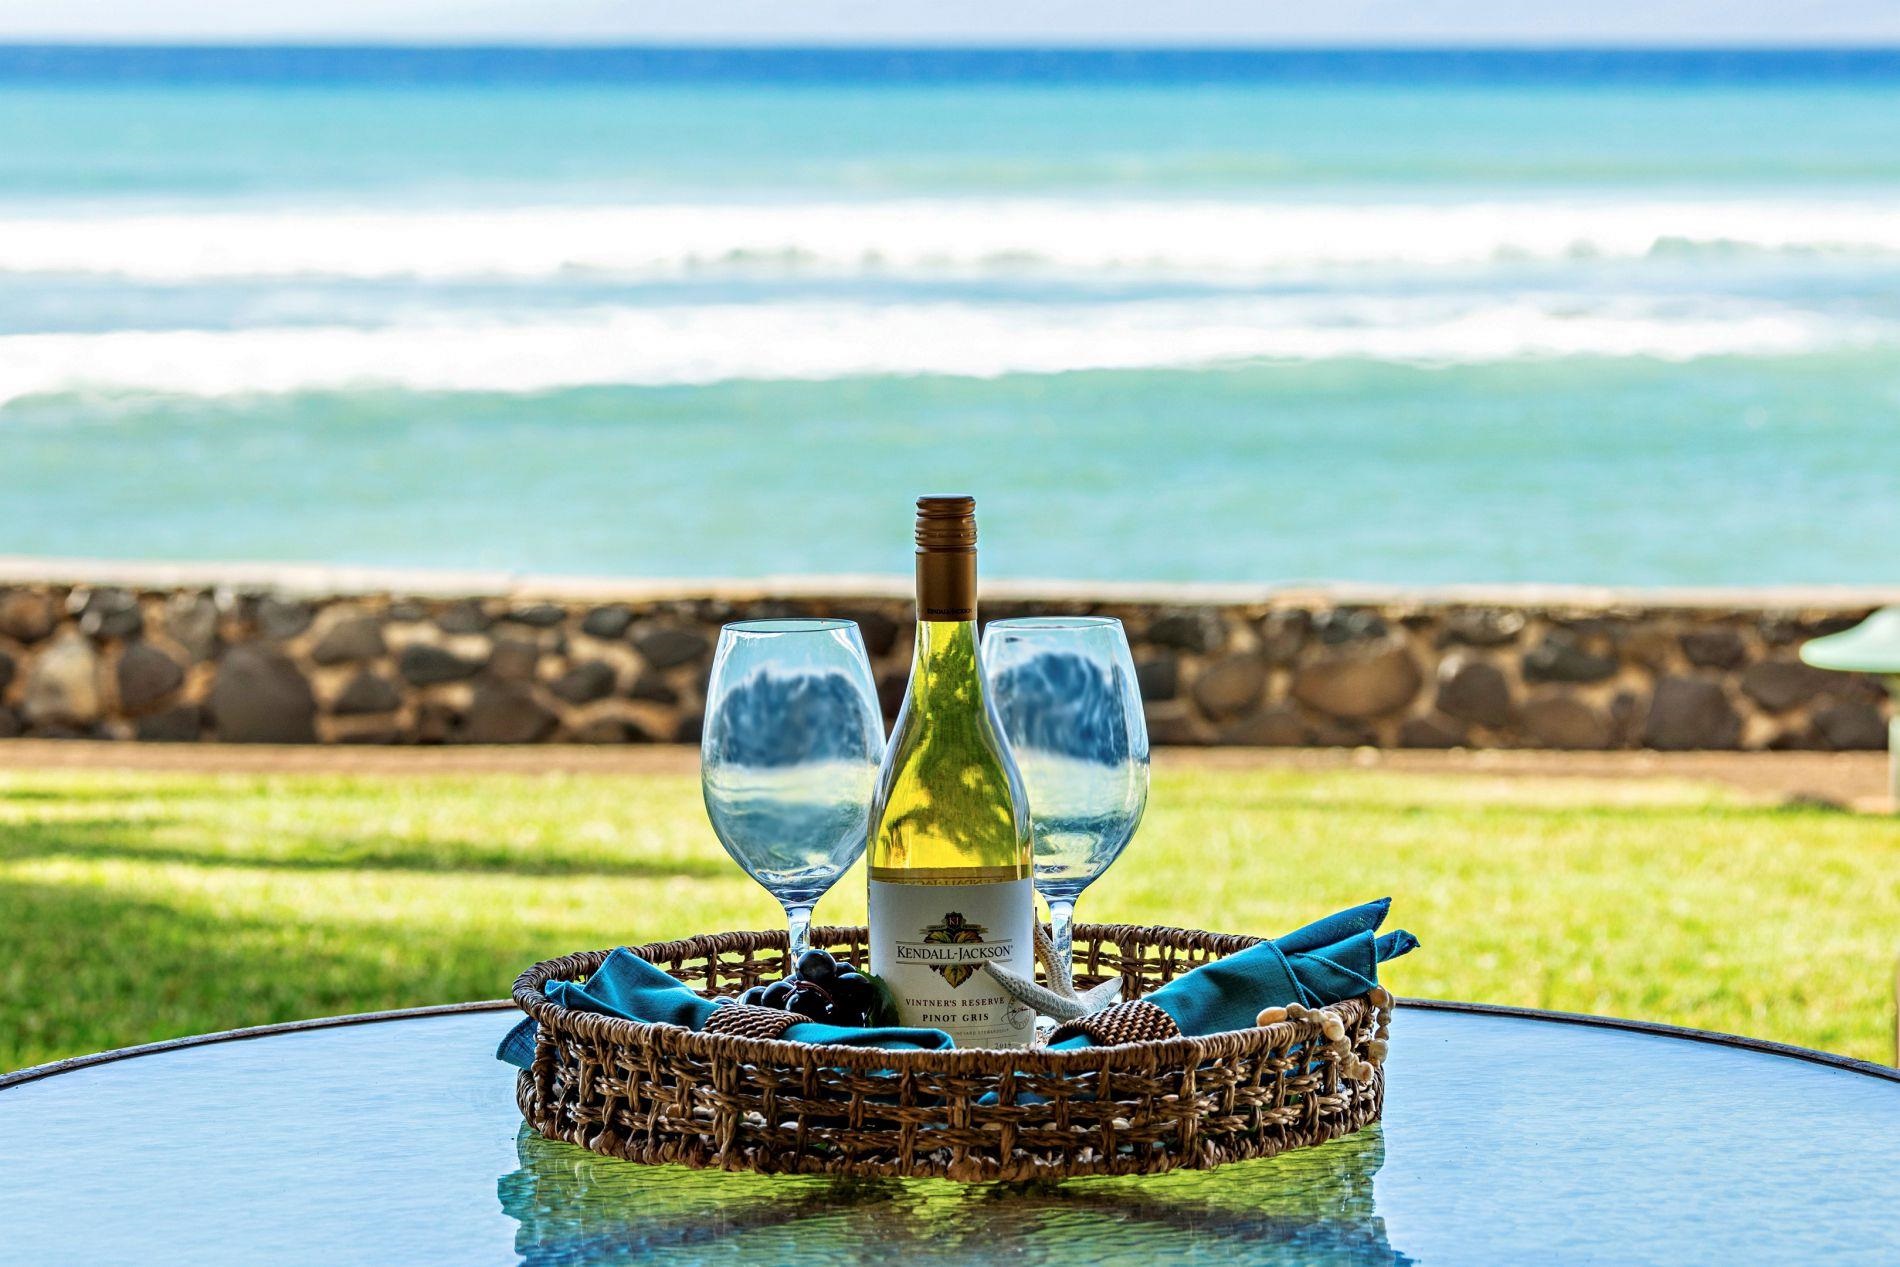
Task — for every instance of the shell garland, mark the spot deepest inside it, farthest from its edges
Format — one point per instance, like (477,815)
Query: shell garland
(1333,1031)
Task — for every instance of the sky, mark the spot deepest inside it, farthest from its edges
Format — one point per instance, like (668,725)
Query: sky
(1519,22)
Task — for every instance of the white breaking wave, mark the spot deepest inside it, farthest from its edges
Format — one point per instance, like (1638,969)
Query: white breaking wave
(1205,239)
(712,343)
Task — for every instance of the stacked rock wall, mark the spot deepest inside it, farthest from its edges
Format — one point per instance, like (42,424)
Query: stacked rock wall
(189,662)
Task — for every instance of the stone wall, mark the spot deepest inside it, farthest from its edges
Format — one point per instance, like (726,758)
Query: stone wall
(168,655)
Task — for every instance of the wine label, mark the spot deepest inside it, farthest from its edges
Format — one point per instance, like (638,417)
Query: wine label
(929,943)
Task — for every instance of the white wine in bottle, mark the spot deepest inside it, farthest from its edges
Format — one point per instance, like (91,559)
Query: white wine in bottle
(950,845)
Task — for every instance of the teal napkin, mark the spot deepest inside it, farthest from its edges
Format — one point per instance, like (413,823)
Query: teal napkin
(1331,959)
(628,986)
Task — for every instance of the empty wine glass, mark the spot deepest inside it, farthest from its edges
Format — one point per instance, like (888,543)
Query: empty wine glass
(1064,687)
(789,756)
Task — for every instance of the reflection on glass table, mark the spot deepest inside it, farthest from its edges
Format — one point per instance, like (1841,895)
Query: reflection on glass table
(1313,1205)
(1512,1138)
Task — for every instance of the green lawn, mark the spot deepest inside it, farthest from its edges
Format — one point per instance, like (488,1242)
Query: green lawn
(140,906)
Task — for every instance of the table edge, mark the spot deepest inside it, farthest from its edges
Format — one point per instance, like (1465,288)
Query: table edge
(34,1073)
(1655,1029)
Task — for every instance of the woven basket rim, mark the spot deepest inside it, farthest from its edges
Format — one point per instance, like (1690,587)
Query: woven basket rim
(1031,1060)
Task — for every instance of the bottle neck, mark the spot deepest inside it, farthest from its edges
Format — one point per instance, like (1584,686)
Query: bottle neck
(946,660)
(946,586)
(945,665)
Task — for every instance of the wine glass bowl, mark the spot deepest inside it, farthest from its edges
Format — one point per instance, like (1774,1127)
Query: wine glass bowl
(1065,691)
(789,755)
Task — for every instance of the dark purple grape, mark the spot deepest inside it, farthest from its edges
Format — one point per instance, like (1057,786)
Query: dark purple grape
(846,1014)
(854,991)
(776,994)
(753,997)
(815,965)
(810,1003)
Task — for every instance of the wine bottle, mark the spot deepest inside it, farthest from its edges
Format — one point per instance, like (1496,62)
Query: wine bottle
(950,854)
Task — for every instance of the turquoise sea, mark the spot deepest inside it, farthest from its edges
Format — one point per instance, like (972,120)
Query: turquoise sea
(1622,318)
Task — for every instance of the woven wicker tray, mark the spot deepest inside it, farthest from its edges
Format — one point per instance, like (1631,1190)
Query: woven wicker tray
(660,1093)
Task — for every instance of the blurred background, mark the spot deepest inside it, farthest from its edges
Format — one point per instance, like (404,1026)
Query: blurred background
(1491,295)
(595,308)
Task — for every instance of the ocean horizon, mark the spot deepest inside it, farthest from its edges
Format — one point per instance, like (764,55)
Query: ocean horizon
(619,62)
(1615,317)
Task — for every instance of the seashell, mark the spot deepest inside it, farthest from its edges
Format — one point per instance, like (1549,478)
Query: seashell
(1270,1016)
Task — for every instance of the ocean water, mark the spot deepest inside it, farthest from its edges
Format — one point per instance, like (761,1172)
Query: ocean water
(1415,318)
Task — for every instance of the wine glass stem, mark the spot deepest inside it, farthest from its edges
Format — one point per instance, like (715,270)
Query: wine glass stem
(1062,933)
(798,930)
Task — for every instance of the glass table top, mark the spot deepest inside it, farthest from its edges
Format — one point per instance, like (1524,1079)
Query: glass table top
(1506,1138)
